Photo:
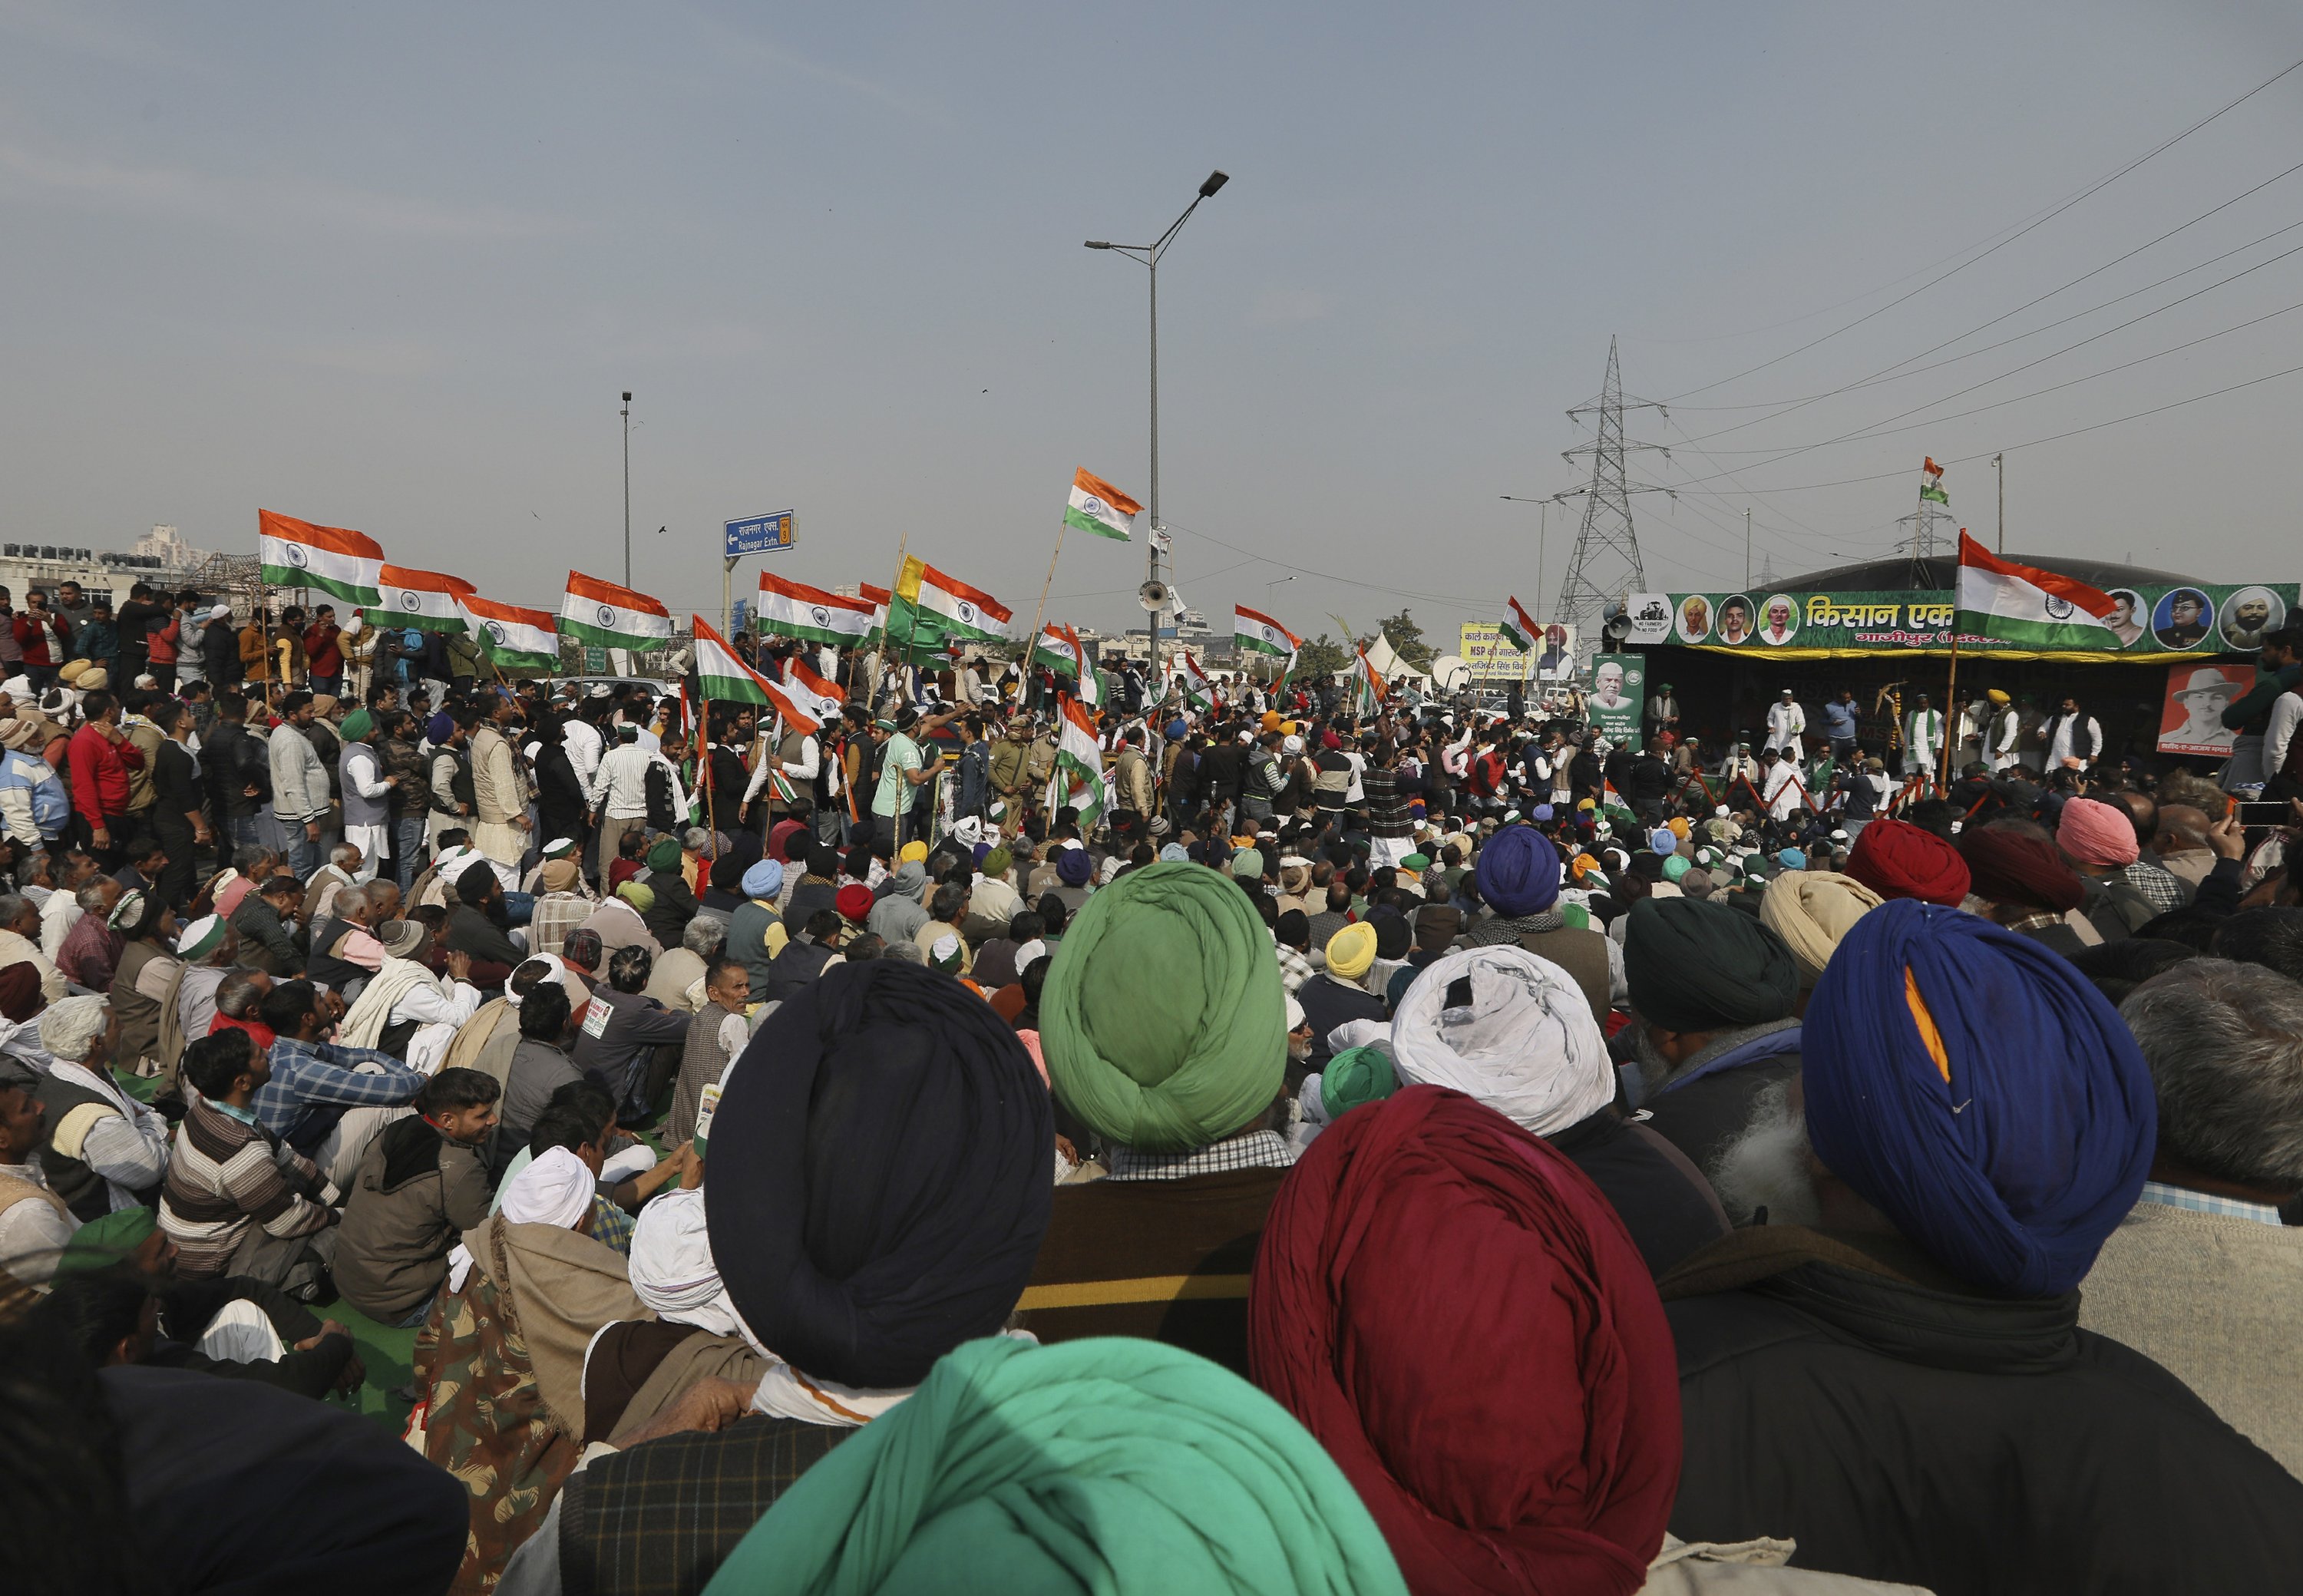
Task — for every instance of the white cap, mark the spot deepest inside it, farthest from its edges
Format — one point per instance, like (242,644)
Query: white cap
(1295,1014)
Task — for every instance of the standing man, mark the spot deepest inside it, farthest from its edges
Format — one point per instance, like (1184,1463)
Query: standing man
(904,770)
(368,793)
(300,783)
(102,759)
(499,797)
(618,795)
(323,652)
(2073,741)
(1923,733)
(1786,723)
(1663,709)
(135,620)
(42,639)
(1842,721)
(238,772)
(72,608)
(2003,732)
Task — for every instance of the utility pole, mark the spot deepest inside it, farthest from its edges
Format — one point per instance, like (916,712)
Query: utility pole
(1149,256)
(1747,545)
(1605,564)
(628,490)
(1999,464)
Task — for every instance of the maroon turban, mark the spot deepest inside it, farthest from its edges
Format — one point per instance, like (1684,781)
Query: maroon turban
(19,991)
(2012,866)
(1457,1314)
(1897,860)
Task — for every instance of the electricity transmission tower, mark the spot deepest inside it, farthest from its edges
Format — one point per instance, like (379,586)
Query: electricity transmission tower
(1919,538)
(1605,564)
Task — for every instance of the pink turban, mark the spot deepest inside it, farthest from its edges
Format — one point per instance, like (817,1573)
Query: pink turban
(2090,832)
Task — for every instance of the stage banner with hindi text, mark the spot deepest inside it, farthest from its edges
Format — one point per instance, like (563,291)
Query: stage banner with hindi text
(2151,623)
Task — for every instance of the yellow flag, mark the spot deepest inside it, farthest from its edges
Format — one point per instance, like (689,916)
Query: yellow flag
(908,580)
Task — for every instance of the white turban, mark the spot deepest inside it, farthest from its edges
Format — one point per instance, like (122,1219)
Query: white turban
(672,1267)
(555,1189)
(967,830)
(1525,1044)
(559,974)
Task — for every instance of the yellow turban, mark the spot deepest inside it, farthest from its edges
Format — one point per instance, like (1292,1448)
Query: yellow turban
(1811,911)
(1677,826)
(913,853)
(1352,951)
(1995,695)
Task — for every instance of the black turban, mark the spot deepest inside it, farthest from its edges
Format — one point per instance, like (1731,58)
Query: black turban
(879,1174)
(1693,963)
(476,882)
(1392,937)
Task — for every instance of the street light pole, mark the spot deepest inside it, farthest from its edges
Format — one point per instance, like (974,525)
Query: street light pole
(1542,531)
(1149,255)
(628,490)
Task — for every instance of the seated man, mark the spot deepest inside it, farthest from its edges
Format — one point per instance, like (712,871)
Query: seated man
(238,1199)
(1712,994)
(421,1185)
(103,1149)
(2201,1276)
(1890,1371)
(480,925)
(266,943)
(1184,1096)
(328,1102)
(90,951)
(344,951)
(623,1032)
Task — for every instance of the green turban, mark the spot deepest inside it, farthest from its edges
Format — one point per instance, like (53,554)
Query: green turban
(1162,1019)
(357,725)
(1247,865)
(1356,1076)
(639,895)
(101,1242)
(1109,1464)
(998,863)
(664,856)
(1693,963)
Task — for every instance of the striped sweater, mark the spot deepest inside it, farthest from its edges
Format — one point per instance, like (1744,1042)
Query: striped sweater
(227,1175)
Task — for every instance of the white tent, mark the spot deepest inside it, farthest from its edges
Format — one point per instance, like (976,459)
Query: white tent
(1390,665)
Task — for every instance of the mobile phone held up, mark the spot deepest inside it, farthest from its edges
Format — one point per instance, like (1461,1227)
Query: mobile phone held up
(2272,811)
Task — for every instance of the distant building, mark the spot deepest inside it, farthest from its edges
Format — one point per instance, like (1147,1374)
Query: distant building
(1190,626)
(161,558)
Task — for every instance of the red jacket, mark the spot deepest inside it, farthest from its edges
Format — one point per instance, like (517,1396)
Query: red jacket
(32,637)
(324,656)
(99,774)
(160,642)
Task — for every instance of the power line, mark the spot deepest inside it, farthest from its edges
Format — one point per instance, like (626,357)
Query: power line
(2091,190)
(1886,374)
(1956,460)
(1880,429)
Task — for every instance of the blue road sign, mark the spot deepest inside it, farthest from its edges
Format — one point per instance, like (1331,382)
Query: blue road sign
(743,614)
(760,535)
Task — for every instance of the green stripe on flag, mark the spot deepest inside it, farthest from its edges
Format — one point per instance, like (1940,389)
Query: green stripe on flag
(732,690)
(601,637)
(401,620)
(1079,521)
(289,576)
(2035,634)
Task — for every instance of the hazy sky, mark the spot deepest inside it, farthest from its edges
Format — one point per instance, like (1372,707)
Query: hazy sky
(389,267)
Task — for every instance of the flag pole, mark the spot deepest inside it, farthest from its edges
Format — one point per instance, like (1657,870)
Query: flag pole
(871,687)
(1951,691)
(1040,612)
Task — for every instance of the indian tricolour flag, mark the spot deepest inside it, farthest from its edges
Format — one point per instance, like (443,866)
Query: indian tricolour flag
(511,638)
(1058,648)
(795,610)
(926,603)
(1519,630)
(2022,605)
(607,616)
(426,600)
(1254,632)
(1098,507)
(805,697)
(720,672)
(877,597)
(1198,691)
(1079,779)
(335,559)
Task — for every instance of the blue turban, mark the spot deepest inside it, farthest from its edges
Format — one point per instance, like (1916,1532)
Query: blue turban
(1073,867)
(1663,841)
(763,880)
(981,852)
(1790,858)
(440,727)
(1175,853)
(1177,731)
(2012,1142)
(1518,871)
(1541,812)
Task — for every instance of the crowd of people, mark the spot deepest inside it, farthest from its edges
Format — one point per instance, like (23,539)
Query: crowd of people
(1345,1147)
